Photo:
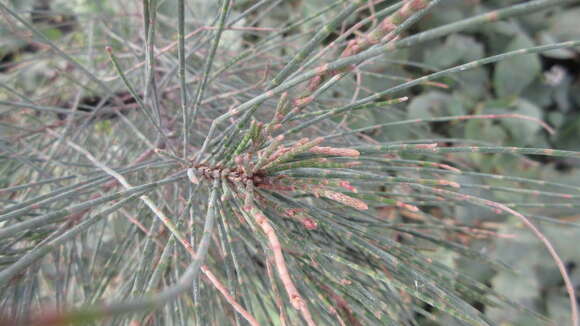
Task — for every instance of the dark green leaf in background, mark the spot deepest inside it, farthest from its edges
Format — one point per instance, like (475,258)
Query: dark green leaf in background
(512,76)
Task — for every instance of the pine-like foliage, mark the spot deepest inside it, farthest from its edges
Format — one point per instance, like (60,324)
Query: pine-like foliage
(175,164)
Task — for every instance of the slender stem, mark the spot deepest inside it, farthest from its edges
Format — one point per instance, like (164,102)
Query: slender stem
(299,57)
(182,84)
(280,263)
(135,95)
(210,59)
(150,80)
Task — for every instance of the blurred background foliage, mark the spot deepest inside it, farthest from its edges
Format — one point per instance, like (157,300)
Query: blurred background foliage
(545,86)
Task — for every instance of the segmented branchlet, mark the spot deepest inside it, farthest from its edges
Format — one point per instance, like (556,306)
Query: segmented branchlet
(306,197)
(262,162)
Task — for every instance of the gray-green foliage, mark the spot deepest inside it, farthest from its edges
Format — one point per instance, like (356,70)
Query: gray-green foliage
(211,150)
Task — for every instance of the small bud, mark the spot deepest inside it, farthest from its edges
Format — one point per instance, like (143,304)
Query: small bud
(444,182)
(346,185)
(406,206)
(309,224)
(427,146)
(348,152)
(345,200)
